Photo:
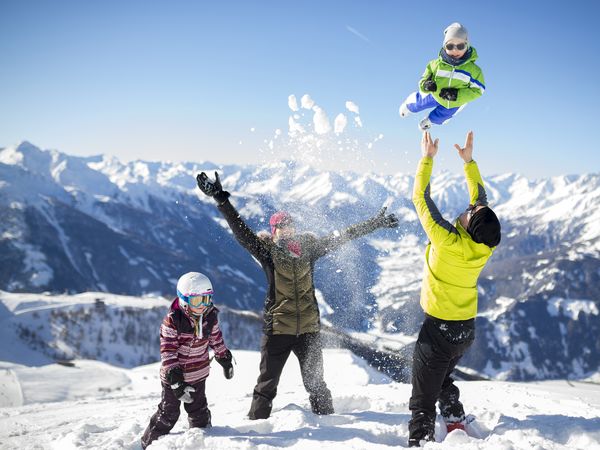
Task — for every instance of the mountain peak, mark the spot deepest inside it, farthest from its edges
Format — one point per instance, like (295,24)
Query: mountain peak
(15,154)
(26,146)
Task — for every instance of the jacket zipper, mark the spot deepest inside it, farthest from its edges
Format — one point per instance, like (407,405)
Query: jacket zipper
(193,337)
(297,301)
(194,324)
(450,82)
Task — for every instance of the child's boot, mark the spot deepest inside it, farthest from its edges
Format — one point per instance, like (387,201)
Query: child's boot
(425,124)
(404,111)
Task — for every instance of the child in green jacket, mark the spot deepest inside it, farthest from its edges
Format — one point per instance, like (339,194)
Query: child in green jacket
(449,82)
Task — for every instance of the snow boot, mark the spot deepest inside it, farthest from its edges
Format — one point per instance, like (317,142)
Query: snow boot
(421,427)
(321,404)
(416,441)
(425,124)
(404,111)
(451,426)
(455,424)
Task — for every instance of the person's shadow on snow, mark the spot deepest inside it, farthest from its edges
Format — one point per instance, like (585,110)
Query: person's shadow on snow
(335,427)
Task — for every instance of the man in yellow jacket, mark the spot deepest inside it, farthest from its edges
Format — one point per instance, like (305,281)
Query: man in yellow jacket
(454,258)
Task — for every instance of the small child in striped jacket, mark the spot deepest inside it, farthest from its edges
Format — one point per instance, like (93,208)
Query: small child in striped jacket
(190,327)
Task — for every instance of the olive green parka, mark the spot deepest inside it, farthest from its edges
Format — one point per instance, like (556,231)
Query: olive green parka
(290,306)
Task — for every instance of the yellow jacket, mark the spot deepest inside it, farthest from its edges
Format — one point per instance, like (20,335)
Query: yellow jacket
(453,261)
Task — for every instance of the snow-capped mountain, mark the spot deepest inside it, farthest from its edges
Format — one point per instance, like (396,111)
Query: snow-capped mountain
(75,224)
(115,329)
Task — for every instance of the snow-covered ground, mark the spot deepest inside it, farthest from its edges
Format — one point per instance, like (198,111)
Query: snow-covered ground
(98,406)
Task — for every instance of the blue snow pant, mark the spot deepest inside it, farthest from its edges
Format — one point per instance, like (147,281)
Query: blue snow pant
(416,102)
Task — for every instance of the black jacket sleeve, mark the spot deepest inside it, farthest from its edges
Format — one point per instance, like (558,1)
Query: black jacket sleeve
(327,244)
(244,235)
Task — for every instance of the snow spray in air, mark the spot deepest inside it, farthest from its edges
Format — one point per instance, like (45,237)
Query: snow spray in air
(315,159)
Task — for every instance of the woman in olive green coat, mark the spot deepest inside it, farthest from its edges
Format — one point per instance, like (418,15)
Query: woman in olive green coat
(291,313)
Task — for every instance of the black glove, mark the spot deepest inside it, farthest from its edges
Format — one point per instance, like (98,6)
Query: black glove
(226,362)
(429,85)
(383,221)
(182,390)
(212,188)
(450,94)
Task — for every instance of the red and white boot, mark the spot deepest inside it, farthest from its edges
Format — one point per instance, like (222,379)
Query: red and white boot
(451,426)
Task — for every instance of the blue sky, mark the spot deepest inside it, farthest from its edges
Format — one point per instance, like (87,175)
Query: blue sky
(184,80)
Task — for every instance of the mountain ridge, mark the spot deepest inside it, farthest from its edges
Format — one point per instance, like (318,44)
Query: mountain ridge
(77,224)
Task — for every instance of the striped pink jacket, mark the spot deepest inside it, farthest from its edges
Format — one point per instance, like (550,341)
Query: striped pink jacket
(185,344)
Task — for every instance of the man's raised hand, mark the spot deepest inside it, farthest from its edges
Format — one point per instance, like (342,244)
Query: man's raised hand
(429,147)
(466,152)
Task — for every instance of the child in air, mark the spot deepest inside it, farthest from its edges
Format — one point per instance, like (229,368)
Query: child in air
(449,82)
(188,329)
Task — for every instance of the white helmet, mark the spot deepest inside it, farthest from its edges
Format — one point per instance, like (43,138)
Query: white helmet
(193,284)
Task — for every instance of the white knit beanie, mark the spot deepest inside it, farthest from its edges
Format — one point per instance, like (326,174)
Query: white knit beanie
(456,31)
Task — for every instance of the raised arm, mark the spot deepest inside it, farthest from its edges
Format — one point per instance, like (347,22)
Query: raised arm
(438,229)
(242,232)
(324,245)
(477,194)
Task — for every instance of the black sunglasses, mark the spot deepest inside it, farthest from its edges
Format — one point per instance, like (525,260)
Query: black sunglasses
(460,46)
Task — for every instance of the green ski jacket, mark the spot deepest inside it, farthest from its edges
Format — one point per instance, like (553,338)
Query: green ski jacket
(453,260)
(467,78)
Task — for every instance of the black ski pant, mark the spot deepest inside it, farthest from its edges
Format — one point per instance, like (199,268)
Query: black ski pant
(165,418)
(439,347)
(274,353)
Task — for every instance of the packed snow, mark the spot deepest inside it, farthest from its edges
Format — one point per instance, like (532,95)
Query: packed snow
(91,404)
(94,405)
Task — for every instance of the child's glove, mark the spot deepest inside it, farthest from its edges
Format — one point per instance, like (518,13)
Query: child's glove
(182,390)
(450,94)
(429,85)
(226,362)
(212,188)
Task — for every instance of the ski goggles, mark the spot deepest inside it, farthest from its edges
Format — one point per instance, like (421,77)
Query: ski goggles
(197,300)
(460,46)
